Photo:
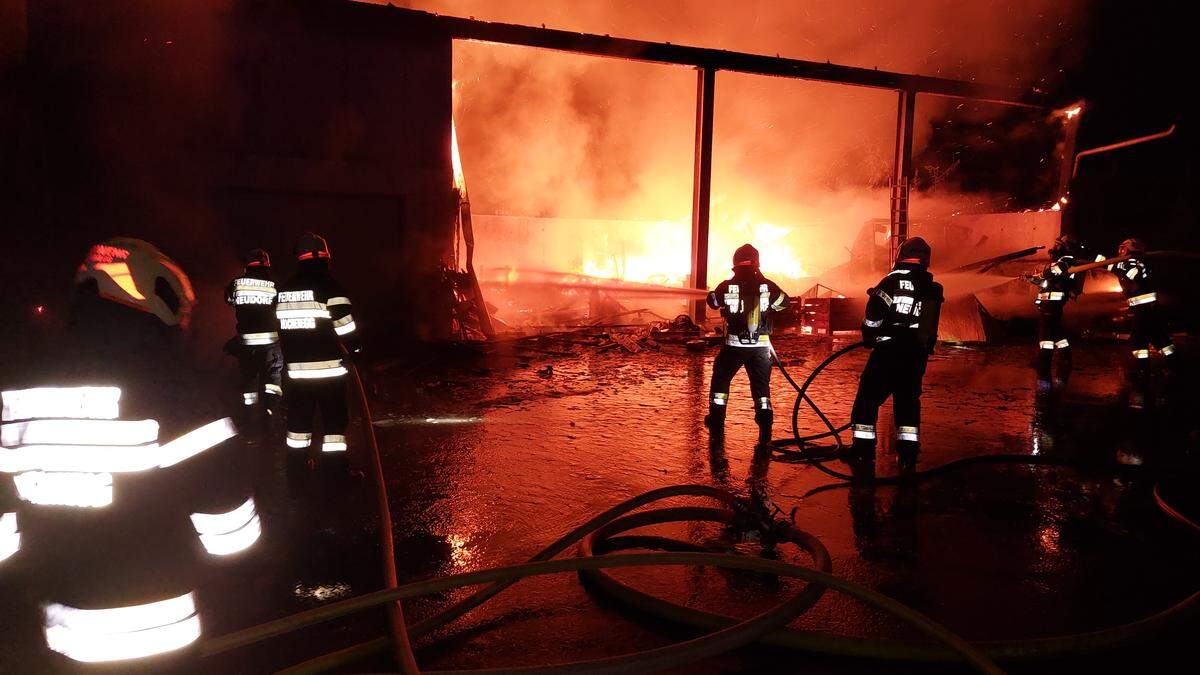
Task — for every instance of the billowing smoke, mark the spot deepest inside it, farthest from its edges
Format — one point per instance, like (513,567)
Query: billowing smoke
(799,167)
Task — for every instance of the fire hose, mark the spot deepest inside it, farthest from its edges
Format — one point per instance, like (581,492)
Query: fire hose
(603,535)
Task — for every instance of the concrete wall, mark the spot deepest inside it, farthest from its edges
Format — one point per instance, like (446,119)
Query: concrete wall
(209,127)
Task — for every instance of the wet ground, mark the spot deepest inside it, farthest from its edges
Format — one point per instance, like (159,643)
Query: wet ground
(489,460)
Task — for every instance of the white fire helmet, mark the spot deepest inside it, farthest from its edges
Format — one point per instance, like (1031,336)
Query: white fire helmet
(135,273)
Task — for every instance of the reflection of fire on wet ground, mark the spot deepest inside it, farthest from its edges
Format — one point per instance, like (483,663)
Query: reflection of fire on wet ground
(566,432)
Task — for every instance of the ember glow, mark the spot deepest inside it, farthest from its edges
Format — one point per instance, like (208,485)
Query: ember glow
(584,165)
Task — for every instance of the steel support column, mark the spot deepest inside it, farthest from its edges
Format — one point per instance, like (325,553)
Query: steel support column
(706,79)
(902,170)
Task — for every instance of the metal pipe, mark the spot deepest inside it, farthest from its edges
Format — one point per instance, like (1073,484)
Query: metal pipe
(702,186)
(1117,146)
(902,170)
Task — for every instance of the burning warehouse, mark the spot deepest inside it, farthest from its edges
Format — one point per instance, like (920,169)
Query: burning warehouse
(327,322)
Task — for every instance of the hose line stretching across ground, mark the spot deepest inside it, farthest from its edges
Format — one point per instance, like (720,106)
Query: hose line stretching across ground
(603,534)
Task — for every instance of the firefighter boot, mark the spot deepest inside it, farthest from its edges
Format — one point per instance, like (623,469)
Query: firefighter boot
(715,419)
(1064,367)
(906,455)
(1045,362)
(863,446)
(765,418)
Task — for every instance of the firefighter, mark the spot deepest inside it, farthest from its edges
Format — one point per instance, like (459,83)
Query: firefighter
(900,329)
(260,363)
(1149,326)
(748,302)
(314,325)
(1056,286)
(125,482)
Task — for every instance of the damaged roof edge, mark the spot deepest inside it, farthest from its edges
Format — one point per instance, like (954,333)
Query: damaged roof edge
(666,53)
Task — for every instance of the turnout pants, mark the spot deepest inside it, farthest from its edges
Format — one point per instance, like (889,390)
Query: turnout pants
(757,361)
(305,397)
(896,371)
(1149,329)
(261,370)
(1052,337)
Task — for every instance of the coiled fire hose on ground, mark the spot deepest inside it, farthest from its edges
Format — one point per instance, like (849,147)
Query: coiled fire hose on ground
(604,534)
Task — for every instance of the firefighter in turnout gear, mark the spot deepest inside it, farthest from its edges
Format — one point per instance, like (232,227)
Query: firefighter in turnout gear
(1056,286)
(123,480)
(747,301)
(1139,286)
(314,324)
(900,329)
(260,363)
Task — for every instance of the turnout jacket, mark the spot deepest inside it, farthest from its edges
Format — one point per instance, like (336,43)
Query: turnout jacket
(252,296)
(121,481)
(748,303)
(1136,280)
(314,322)
(904,309)
(1056,284)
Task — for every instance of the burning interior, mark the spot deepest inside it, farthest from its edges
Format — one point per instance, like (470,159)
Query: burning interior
(580,172)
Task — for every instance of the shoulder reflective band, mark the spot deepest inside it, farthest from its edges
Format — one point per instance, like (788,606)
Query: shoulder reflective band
(907,434)
(1141,353)
(62,488)
(230,532)
(719,398)
(882,295)
(299,439)
(333,443)
(316,370)
(1142,299)
(1046,344)
(255,339)
(1063,343)
(1168,350)
(339,300)
(197,441)
(99,635)
(100,403)
(10,536)
(307,309)
(864,431)
(344,325)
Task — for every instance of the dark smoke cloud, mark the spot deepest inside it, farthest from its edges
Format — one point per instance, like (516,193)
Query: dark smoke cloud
(550,134)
